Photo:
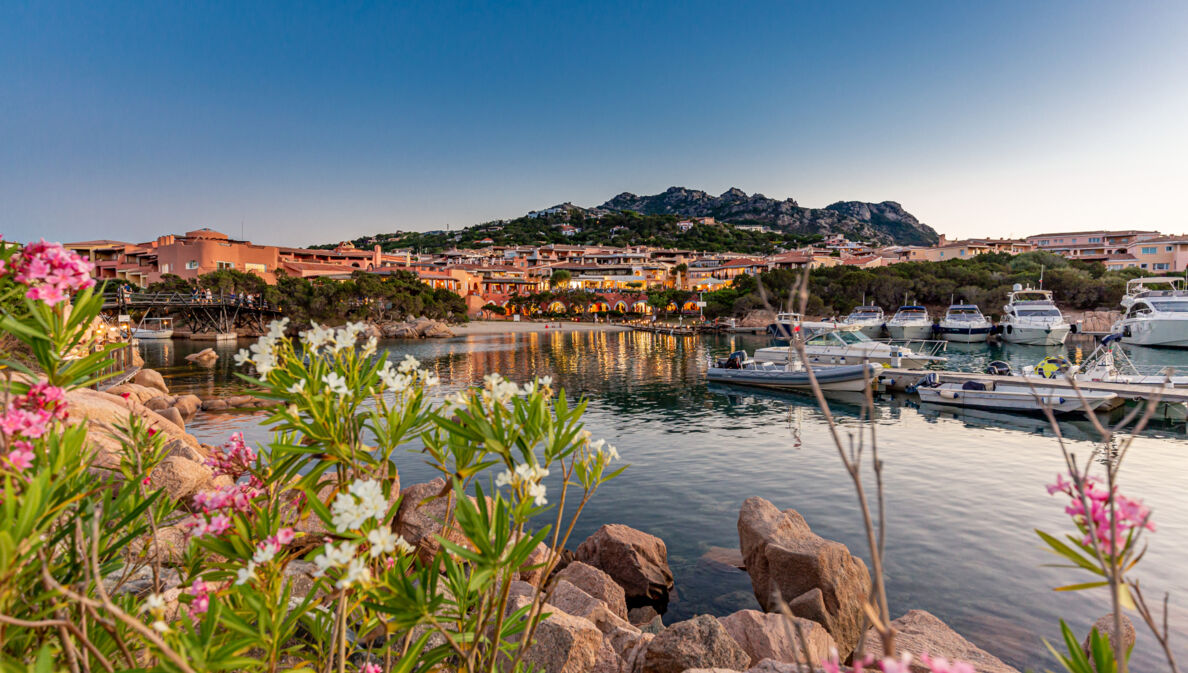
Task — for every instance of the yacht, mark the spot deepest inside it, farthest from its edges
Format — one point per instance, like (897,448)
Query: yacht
(848,345)
(869,319)
(1155,313)
(910,322)
(791,374)
(1031,317)
(784,325)
(964,323)
(154,328)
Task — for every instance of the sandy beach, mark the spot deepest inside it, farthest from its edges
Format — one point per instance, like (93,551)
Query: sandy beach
(509,327)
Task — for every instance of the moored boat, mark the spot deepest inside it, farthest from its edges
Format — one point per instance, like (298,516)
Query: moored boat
(1155,312)
(154,328)
(1031,318)
(869,319)
(848,345)
(790,375)
(910,322)
(1016,397)
(964,323)
(785,325)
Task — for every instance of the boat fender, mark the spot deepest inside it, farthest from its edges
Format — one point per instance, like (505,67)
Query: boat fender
(949,394)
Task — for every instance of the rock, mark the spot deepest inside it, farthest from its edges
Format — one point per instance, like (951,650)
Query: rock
(563,644)
(139,583)
(773,666)
(598,584)
(634,658)
(636,560)
(437,330)
(534,568)
(150,378)
(301,577)
(606,660)
(311,524)
(170,545)
(214,405)
(768,635)
(421,516)
(1105,627)
(188,405)
(818,578)
(920,632)
(160,402)
(701,642)
(174,416)
(135,392)
(239,401)
(646,619)
(206,357)
(103,413)
(180,449)
(180,478)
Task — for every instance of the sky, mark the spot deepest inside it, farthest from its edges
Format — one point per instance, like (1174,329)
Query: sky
(305,122)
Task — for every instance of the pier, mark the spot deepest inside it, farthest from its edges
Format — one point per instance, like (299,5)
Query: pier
(218,314)
(898,379)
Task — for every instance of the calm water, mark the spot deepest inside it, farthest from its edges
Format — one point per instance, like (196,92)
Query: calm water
(964,491)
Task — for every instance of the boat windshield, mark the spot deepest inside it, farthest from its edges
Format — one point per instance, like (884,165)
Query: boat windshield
(1037,312)
(911,313)
(964,313)
(865,315)
(1170,306)
(852,337)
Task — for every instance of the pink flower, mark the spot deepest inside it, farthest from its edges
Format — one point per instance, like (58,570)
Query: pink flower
(201,592)
(21,459)
(284,536)
(942,665)
(50,271)
(371,668)
(1111,536)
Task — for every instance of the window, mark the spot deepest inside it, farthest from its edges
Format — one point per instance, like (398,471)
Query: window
(1149,251)
(1044,242)
(224,265)
(1168,249)
(1095,239)
(1161,267)
(962,253)
(249,266)
(192,264)
(165,268)
(1143,265)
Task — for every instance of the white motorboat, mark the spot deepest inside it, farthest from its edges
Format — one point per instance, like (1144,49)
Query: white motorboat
(869,319)
(848,345)
(964,323)
(1155,312)
(732,325)
(1031,317)
(1017,397)
(785,325)
(910,322)
(154,328)
(790,375)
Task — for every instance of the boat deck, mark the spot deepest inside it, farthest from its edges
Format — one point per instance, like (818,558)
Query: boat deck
(898,379)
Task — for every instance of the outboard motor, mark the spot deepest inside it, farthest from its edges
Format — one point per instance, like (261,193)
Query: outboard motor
(736,359)
(930,380)
(999,368)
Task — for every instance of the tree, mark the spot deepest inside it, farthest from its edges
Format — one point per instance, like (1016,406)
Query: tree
(494,308)
(559,277)
(681,270)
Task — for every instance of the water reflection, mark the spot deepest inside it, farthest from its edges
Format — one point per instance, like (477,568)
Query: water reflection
(965,488)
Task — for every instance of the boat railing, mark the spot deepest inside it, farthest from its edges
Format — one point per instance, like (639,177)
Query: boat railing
(929,347)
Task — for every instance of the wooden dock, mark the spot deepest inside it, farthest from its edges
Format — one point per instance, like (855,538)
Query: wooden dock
(899,379)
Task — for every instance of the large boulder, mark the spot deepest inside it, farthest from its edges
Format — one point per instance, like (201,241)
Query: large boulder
(818,578)
(562,643)
(174,416)
(188,405)
(150,378)
(135,392)
(169,548)
(424,509)
(701,642)
(103,413)
(919,632)
(598,584)
(637,561)
(206,357)
(180,478)
(768,635)
(621,635)
(1105,627)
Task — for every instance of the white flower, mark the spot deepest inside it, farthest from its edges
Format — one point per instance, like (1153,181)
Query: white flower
(504,478)
(153,603)
(246,573)
(265,552)
(370,347)
(336,384)
(348,513)
(356,573)
(333,557)
(160,626)
(403,546)
(537,493)
(544,382)
(276,329)
(298,387)
(382,540)
(316,336)
(409,364)
(346,337)
(430,380)
(392,380)
(243,357)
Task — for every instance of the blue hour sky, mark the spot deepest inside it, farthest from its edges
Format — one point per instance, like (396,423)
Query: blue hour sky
(307,122)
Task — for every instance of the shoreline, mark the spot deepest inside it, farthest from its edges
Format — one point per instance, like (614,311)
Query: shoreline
(511,327)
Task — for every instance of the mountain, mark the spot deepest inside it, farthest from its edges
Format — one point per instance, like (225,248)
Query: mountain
(885,222)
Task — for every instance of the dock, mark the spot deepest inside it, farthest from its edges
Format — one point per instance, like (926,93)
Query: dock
(899,379)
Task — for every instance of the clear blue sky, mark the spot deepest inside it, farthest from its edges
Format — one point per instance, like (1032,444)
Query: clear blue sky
(314,122)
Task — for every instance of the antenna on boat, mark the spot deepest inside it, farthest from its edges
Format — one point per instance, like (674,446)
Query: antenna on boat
(1041,276)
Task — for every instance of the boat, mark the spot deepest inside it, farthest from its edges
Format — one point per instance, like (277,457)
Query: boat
(869,319)
(847,345)
(785,325)
(964,323)
(790,375)
(910,322)
(732,325)
(1155,317)
(154,328)
(1031,318)
(1005,396)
